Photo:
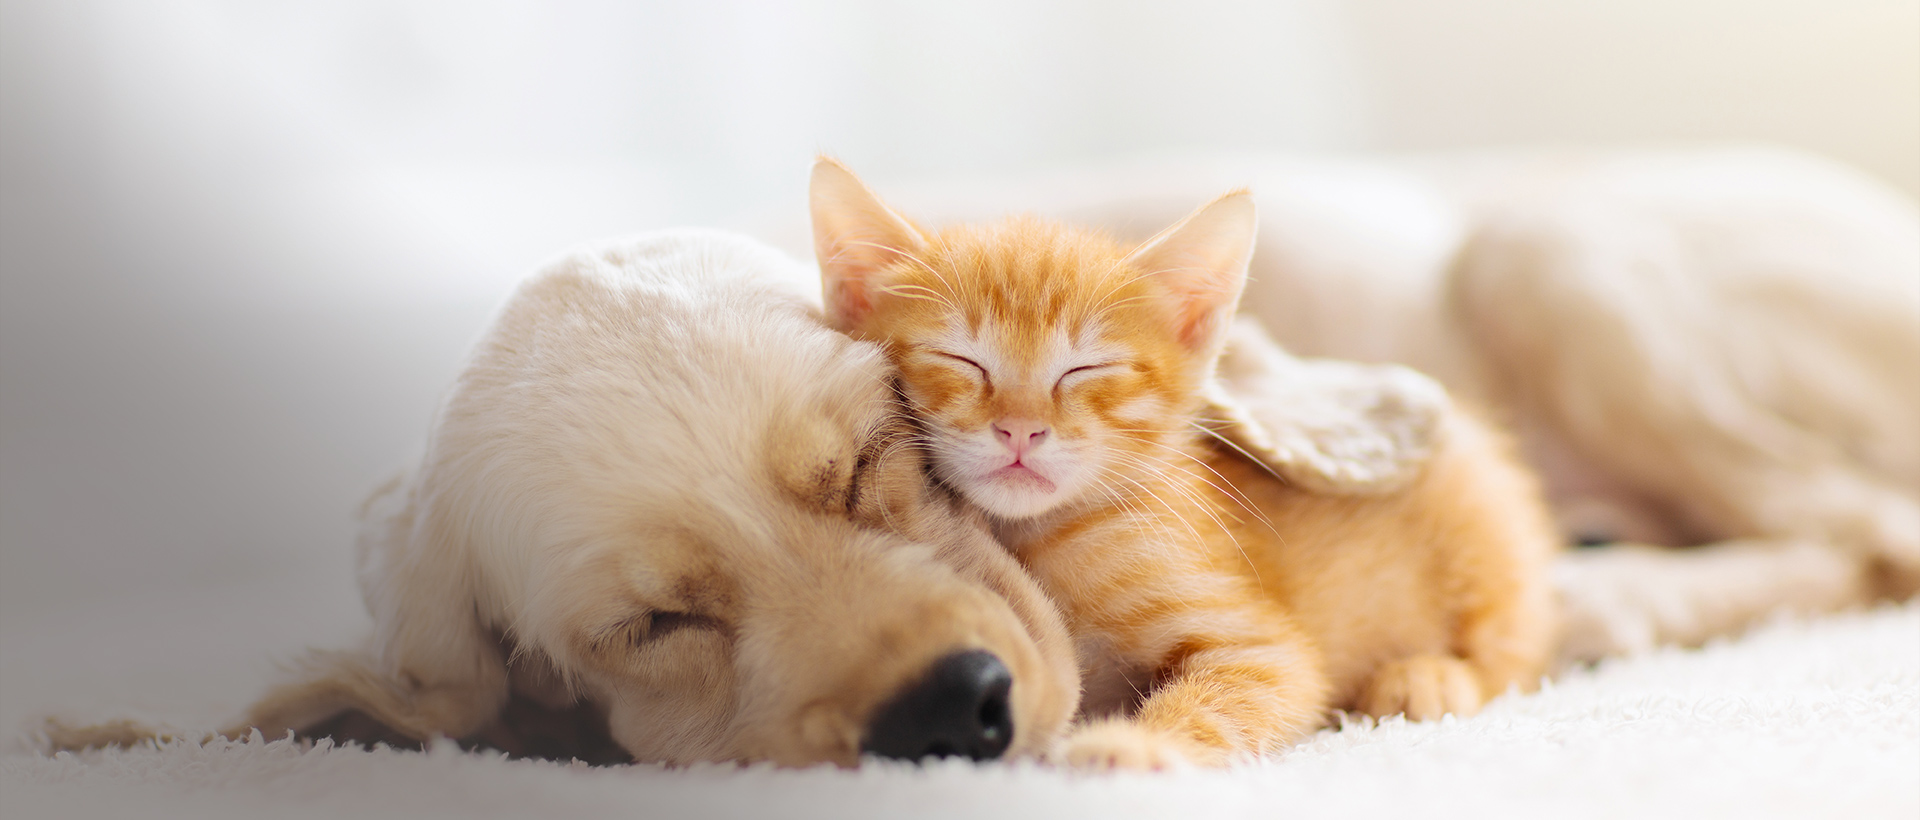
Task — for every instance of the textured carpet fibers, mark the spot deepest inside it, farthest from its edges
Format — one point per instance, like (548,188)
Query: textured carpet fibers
(1815,718)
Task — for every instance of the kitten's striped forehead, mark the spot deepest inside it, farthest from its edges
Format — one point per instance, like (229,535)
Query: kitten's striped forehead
(1030,294)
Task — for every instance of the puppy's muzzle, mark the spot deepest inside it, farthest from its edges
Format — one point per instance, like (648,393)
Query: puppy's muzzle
(961,708)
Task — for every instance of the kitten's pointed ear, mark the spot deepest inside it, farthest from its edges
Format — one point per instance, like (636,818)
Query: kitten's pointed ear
(855,237)
(1203,260)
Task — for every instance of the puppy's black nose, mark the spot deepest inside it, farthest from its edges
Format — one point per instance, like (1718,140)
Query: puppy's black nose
(959,708)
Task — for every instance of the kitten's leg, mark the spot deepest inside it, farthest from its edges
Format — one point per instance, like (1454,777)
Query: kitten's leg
(1494,546)
(1246,696)
(1236,699)
(1504,641)
(1423,687)
(1498,565)
(1230,675)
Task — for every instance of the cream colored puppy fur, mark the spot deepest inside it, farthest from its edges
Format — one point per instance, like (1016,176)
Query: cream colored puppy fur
(664,492)
(1714,348)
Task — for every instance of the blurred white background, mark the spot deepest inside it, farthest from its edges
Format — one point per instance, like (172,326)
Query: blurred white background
(243,245)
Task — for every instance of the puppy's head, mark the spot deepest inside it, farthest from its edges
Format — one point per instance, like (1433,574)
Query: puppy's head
(704,511)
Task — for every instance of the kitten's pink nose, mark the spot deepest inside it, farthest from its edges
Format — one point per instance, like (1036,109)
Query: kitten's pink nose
(1020,435)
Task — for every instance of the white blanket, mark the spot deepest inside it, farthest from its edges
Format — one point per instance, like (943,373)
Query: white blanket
(1798,719)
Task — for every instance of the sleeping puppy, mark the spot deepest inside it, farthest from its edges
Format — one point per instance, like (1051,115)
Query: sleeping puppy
(1707,349)
(666,507)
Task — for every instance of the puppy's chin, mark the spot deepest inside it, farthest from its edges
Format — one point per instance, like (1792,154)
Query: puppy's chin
(809,739)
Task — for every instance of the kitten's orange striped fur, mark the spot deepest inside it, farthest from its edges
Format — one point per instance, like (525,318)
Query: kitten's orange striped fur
(1220,612)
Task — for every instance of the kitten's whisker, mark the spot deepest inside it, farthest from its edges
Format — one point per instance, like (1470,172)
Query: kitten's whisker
(910,257)
(1110,306)
(1257,461)
(1149,468)
(1138,521)
(1099,303)
(1230,490)
(921,292)
(1209,509)
(1148,518)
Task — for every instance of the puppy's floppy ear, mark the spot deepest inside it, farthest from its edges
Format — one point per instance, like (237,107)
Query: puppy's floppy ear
(432,664)
(1334,427)
(1202,261)
(855,237)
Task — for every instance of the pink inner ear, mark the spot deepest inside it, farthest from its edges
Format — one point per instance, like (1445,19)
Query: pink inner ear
(848,265)
(847,301)
(1198,321)
(1201,261)
(1196,326)
(1199,302)
(855,239)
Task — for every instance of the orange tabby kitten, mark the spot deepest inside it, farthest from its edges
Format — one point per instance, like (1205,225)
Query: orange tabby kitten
(1220,611)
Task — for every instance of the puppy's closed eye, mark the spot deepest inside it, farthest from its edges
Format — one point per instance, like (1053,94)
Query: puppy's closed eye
(662,623)
(652,627)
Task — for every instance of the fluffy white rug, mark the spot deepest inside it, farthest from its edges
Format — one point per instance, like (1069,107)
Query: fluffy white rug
(1799,719)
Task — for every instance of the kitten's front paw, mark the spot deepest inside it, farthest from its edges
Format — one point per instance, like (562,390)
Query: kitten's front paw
(1117,745)
(1423,687)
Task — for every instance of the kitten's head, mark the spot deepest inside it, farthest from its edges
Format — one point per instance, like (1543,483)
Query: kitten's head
(1046,364)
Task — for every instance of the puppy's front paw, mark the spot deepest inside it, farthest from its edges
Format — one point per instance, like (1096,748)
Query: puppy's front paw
(1117,745)
(1423,687)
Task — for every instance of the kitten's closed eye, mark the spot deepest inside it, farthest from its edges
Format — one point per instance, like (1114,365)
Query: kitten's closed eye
(964,360)
(1085,370)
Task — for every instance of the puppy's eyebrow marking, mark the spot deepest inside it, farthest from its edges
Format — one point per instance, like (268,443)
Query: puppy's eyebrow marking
(704,592)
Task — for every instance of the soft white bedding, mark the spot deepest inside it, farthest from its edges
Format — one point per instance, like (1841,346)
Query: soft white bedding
(1813,718)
